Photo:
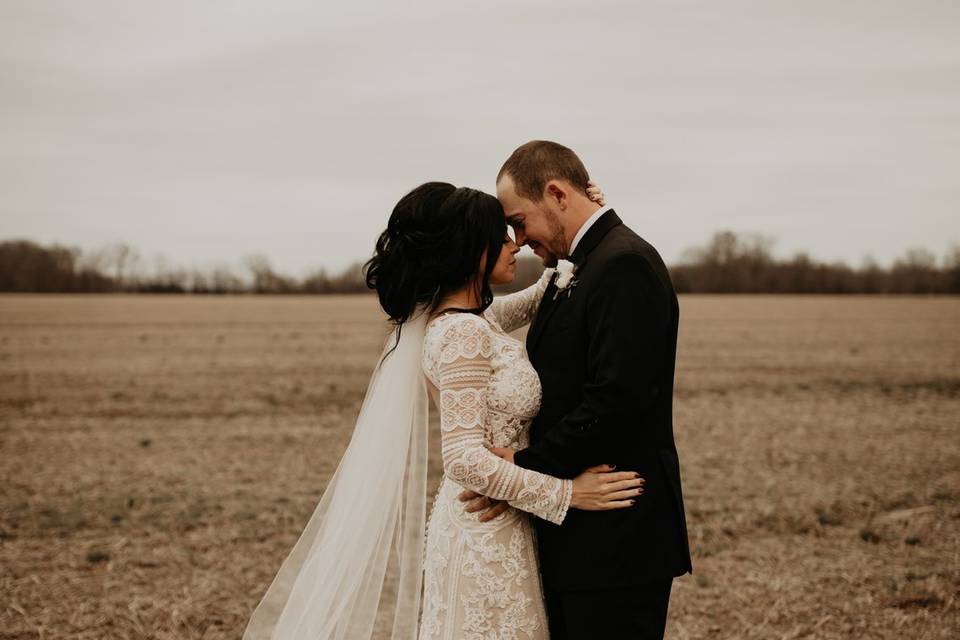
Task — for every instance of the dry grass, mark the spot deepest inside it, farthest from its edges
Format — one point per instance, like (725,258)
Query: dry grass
(161,454)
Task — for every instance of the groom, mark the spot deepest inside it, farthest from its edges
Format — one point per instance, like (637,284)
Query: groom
(604,347)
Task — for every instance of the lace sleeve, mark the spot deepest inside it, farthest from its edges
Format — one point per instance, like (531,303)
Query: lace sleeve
(462,375)
(514,310)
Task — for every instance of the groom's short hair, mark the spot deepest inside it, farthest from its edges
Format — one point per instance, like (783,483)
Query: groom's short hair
(538,162)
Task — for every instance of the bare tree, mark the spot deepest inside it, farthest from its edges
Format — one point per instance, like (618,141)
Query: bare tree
(116,257)
(265,280)
(951,265)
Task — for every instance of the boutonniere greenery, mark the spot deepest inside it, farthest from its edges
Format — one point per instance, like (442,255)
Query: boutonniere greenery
(566,278)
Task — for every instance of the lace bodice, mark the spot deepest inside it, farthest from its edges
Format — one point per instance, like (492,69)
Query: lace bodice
(482,579)
(488,393)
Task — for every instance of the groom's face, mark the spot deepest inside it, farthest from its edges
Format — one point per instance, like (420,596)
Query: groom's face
(534,224)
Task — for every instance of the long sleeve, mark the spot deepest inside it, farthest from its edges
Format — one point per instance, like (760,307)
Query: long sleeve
(515,310)
(462,376)
(628,320)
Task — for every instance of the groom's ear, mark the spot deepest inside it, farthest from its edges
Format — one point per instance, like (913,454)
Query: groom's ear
(556,192)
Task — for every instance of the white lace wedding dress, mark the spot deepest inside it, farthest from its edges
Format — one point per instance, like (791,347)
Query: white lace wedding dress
(482,580)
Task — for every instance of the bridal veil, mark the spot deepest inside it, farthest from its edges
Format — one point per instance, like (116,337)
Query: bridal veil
(356,568)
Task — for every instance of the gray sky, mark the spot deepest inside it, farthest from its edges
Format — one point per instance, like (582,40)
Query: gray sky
(209,130)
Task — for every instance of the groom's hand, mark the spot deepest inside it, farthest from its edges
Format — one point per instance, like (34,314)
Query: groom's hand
(476,502)
(502,452)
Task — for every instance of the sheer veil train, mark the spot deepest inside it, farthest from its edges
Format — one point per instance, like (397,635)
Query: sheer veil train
(356,567)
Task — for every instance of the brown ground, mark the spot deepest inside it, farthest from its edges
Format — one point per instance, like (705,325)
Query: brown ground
(160,454)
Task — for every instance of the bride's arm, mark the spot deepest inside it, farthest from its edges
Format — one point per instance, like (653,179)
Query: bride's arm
(462,376)
(515,310)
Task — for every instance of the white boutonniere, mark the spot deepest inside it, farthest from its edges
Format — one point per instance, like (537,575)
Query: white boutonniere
(566,277)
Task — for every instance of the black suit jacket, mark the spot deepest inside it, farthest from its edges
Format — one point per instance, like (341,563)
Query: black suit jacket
(605,354)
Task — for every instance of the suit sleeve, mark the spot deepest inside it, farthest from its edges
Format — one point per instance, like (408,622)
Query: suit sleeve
(628,315)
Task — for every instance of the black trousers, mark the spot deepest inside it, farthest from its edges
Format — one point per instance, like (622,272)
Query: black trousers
(631,613)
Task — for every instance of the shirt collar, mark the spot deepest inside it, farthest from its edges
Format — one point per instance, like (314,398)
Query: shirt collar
(586,225)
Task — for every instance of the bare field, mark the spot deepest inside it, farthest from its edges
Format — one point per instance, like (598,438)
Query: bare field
(161,454)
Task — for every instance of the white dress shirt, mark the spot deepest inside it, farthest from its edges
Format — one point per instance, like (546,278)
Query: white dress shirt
(586,225)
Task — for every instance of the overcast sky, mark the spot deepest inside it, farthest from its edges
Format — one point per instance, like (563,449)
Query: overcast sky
(209,130)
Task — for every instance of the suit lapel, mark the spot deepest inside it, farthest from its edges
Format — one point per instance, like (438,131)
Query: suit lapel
(547,307)
(543,311)
(594,235)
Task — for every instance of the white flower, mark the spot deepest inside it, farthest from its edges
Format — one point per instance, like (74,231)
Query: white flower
(565,272)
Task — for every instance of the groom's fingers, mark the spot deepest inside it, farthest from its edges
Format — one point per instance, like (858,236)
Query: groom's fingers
(494,511)
(477,504)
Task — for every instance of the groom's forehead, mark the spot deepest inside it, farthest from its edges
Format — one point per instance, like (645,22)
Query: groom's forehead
(506,187)
(512,210)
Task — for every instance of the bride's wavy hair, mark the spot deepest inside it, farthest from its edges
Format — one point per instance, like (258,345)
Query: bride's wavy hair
(433,245)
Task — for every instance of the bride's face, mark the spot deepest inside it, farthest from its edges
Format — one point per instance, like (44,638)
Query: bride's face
(506,267)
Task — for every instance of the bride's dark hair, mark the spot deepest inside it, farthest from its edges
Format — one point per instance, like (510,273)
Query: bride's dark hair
(432,246)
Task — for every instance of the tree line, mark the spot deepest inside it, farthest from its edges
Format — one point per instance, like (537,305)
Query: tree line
(727,263)
(731,263)
(26,266)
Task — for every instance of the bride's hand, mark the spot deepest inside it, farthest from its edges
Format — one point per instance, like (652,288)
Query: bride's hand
(594,193)
(601,488)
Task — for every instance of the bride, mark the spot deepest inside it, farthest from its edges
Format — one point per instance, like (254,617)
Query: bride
(360,569)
